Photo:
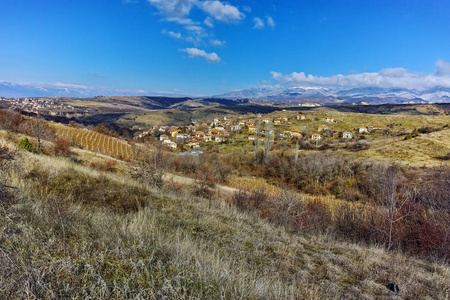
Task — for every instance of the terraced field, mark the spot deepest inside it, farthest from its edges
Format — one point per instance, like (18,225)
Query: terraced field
(96,142)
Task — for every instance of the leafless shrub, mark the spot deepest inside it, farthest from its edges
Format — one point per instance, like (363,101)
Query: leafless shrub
(386,183)
(250,200)
(61,147)
(40,130)
(108,165)
(151,166)
(6,166)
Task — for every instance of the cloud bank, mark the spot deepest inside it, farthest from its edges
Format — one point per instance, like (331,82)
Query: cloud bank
(385,78)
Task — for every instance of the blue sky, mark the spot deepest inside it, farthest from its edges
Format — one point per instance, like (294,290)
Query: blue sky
(197,47)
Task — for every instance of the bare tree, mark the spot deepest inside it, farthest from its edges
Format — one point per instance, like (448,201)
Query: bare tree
(391,194)
(152,165)
(268,139)
(288,207)
(6,166)
(296,150)
(257,140)
(40,130)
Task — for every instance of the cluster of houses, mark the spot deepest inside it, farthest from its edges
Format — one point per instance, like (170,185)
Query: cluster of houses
(221,130)
(318,136)
(35,104)
(191,135)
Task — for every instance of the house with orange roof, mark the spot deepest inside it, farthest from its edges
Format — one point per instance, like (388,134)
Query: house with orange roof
(278,121)
(295,133)
(316,137)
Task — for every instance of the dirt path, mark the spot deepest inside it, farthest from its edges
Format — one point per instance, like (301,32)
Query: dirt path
(189,181)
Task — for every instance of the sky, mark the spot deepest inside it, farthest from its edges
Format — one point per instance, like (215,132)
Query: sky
(202,48)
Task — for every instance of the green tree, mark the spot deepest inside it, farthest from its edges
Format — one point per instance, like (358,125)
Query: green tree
(25,144)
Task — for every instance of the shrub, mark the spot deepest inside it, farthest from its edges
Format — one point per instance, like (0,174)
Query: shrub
(6,157)
(25,144)
(361,145)
(61,146)
(108,165)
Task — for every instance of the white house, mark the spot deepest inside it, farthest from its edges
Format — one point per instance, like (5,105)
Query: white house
(347,135)
(362,130)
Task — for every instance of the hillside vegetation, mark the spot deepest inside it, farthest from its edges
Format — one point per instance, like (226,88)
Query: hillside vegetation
(70,231)
(79,224)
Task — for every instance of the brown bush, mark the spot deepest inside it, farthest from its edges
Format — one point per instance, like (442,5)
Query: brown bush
(6,166)
(248,201)
(108,165)
(61,147)
(11,120)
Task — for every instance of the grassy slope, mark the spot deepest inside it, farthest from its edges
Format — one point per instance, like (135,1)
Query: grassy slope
(68,234)
(423,150)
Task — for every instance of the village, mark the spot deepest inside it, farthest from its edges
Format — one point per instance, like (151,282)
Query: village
(36,104)
(259,129)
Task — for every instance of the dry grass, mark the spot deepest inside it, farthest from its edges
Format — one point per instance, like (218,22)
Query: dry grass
(66,241)
(423,150)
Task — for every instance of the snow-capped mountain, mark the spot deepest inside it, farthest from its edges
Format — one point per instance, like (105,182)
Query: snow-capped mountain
(374,95)
(329,95)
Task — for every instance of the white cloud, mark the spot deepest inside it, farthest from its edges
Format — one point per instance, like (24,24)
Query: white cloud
(217,43)
(175,35)
(385,78)
(182,21)
(194,52)
(247,9)
(209,22)
(270,22)
(194,28)
(179,36)
(181,8)
(48,89)
(220,11)
(443,67)
(174,8)
(259,23)
(59,85)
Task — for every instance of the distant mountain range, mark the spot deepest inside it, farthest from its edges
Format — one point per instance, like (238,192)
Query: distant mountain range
(19,90)
(371,95)
(322,95)
(15,90)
